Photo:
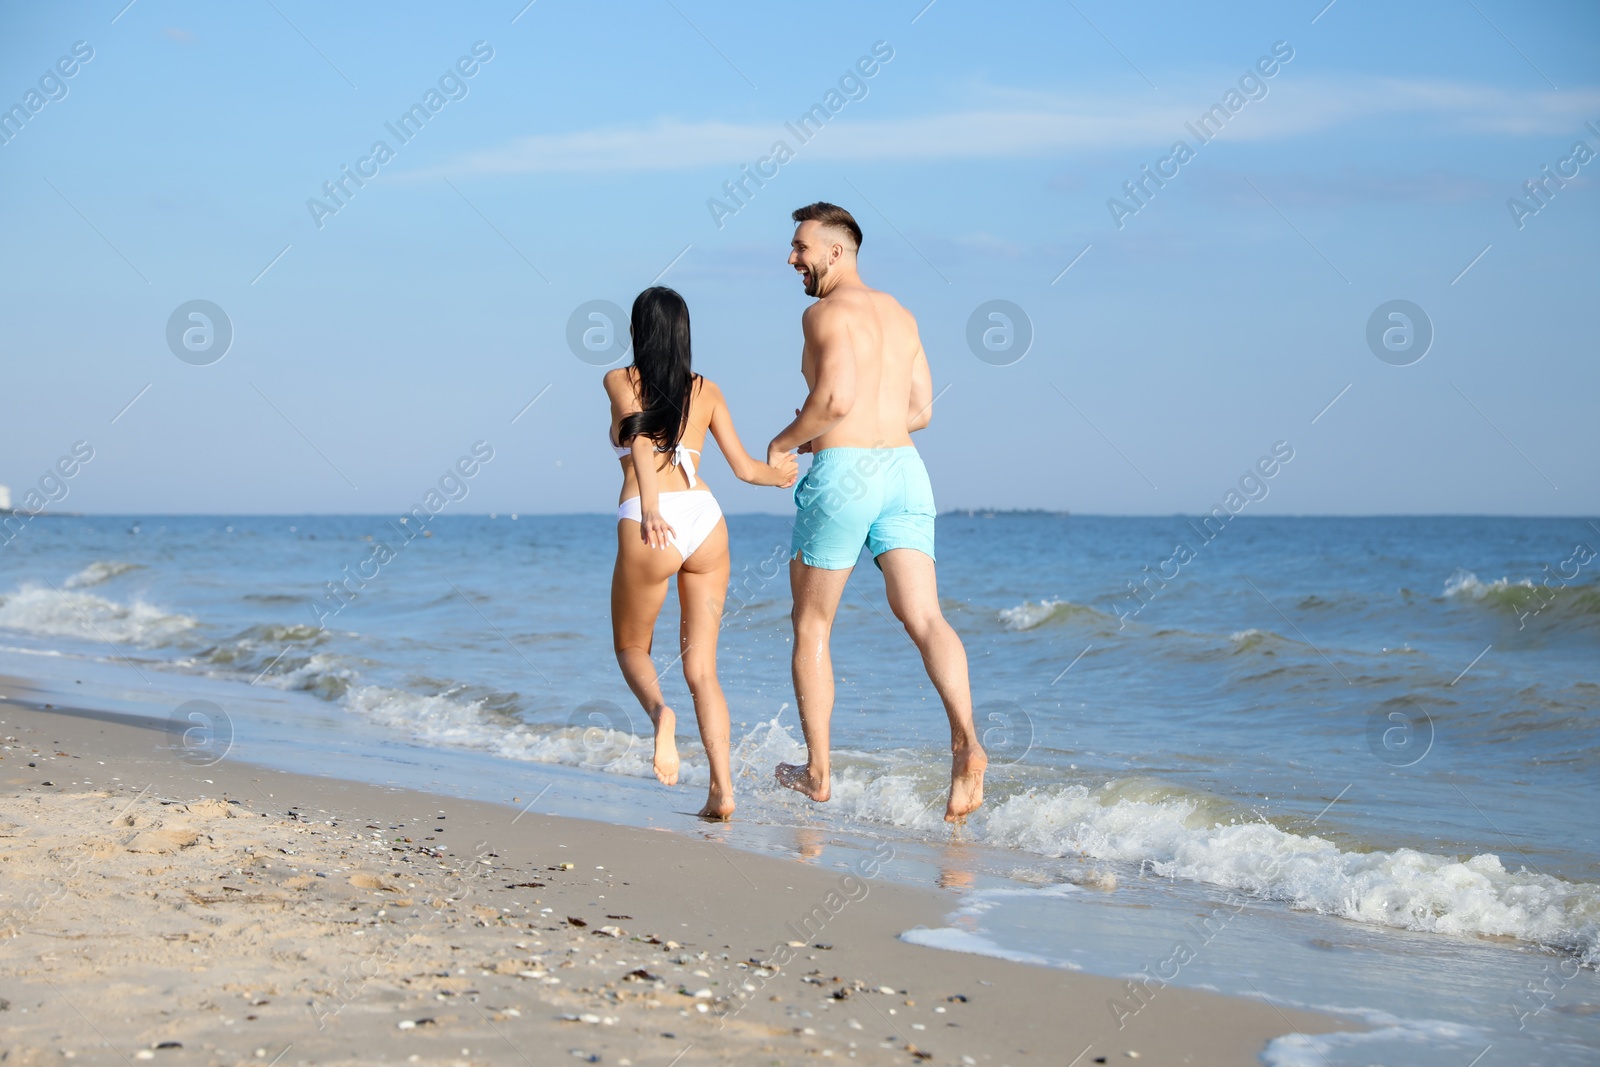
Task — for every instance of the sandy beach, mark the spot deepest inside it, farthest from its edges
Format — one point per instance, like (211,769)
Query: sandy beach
(224,914)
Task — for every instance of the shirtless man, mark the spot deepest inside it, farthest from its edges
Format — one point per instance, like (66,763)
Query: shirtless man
(870,388)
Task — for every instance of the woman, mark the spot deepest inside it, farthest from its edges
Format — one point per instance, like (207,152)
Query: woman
(668,523)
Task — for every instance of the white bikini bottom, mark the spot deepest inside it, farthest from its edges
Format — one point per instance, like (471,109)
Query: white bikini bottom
(692,514)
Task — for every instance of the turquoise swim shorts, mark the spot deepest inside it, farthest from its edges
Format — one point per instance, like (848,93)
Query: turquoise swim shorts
(879,497)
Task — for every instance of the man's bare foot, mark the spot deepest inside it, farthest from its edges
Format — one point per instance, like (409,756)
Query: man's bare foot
(966,783)
(801,780)
(666,758)
(719,805)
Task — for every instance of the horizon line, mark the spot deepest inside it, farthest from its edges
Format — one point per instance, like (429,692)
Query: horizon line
(515,516)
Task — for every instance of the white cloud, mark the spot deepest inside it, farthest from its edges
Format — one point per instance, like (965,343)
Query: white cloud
(1039,125)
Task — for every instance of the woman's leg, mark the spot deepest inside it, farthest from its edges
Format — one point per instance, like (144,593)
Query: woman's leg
(638,588)
(702,587)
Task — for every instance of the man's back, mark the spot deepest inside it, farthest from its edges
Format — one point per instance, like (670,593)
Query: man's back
(884,346)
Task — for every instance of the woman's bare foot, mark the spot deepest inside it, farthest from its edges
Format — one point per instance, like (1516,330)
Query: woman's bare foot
(666,758)
(966,782)
(801,780)
(719,805)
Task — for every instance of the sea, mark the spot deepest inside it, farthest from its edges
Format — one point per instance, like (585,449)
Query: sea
(1344,764)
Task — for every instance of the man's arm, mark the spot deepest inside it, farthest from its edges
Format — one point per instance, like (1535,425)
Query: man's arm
(834,392)
(921,408)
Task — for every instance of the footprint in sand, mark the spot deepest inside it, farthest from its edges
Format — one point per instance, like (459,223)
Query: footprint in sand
(365,880)
(162,842)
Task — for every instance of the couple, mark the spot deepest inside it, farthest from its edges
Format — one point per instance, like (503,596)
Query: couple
(870,387)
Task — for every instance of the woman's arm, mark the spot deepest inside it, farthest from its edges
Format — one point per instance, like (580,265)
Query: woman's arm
(744,467)
(623,401)
(652,527)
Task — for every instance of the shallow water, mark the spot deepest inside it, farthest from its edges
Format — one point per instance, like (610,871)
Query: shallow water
(1375,738)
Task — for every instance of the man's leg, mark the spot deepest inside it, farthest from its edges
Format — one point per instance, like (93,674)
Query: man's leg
(914,596)
(816,600)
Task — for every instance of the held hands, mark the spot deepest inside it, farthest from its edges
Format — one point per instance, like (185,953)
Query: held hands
(785,472)
(781,457)
(654,529)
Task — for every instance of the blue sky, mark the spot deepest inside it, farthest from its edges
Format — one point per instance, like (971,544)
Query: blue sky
(576,164)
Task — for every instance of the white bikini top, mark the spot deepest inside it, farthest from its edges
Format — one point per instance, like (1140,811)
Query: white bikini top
(680,457)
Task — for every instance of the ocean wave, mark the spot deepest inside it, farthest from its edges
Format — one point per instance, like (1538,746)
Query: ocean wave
(1524,595)
(273,598)
(320,673)
(1179,837)
(52,613)
(245,647)
(1028,615)
(282,655)
(599,736)
(1207,839)
(1464,585)
(1253,639)
(99,571)
(896,788)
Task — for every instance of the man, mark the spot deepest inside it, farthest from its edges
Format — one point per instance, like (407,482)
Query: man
(870,388)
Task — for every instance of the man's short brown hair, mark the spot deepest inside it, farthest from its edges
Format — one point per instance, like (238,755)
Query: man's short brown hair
(829,215)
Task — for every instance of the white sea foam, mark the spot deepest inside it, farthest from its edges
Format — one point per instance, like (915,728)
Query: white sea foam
(1201,838)
(1568,603)
(1464,584)
(1196,838)
(321,673)
(1179,837)
(766,745)
(954,940)
(446,720)
(1027,615)
(280,655)
(427,718)
(1386,1031)
(877,794)
(1245,640)
(52,613)
(99,571)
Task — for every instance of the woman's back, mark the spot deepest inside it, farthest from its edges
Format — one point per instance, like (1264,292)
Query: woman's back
(672,470)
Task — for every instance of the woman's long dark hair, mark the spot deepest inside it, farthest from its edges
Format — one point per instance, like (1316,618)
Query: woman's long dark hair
(660,326)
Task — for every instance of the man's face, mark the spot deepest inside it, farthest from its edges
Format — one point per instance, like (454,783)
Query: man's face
(810,254)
